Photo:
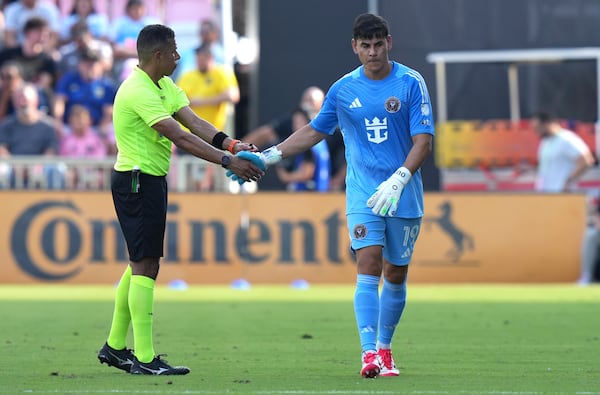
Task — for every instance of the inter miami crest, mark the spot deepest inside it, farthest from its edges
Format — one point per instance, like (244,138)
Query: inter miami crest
(360,231)
(392,104)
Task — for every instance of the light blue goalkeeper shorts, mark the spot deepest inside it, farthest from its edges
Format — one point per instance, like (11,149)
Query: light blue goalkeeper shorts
(397,236)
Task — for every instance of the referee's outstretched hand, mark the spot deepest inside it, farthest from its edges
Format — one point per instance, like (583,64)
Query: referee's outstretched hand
(245,166)
(241,147)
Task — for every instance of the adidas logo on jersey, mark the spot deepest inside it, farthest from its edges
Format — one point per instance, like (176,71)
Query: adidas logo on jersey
(355,103)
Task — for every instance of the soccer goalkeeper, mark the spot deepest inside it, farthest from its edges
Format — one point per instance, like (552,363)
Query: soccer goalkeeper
(384,112)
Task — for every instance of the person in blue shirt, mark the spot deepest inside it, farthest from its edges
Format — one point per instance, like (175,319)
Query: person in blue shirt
(89,87)
(384,112)
(123,33)
(310,170)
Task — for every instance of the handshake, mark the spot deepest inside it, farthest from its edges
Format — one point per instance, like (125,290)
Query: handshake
(262,160)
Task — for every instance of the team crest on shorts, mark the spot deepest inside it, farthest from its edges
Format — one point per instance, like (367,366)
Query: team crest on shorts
(392,104)
(360,231)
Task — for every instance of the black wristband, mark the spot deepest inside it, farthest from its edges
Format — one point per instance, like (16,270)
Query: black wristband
(218,139)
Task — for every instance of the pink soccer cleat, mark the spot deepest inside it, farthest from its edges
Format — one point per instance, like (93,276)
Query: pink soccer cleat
(388,366)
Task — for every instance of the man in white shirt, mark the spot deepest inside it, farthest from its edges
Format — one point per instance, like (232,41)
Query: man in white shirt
(19,12)
(563,157)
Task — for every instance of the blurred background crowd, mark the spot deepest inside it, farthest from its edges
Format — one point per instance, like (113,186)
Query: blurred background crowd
(60,67)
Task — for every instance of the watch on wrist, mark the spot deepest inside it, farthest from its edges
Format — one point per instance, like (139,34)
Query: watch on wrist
(225,161)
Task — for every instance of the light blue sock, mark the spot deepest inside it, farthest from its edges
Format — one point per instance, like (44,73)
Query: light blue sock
(391,306)
(366,309)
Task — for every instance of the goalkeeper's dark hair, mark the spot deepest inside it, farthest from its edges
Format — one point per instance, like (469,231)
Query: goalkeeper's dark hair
(153,38)
(370,26)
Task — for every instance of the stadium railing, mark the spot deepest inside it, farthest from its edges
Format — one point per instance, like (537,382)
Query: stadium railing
(58,173)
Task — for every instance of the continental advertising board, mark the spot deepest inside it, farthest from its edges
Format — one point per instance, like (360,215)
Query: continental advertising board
(50,237)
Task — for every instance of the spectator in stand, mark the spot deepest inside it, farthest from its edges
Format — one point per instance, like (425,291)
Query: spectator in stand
(16,15)
(30,132)
(123,35)
(279,128)
(563,157)
(337,151)
(11,78)
(590,248)
(89,87)
(211,88)
(84,11)
(83,41)
(208,34)
(37,64)
(2,25)
(309,170)
(82,141)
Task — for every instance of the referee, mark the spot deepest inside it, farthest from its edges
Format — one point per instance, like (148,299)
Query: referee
(147,109)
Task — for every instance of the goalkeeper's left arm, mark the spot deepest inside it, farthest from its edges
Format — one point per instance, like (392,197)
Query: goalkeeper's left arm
(384,201)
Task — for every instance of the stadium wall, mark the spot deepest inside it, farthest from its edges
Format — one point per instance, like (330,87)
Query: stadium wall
(58,237)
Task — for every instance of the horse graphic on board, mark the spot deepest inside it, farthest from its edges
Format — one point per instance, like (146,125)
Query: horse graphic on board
(461,241)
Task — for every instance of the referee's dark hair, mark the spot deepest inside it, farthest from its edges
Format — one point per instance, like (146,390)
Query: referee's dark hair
(370,26)
(153,38)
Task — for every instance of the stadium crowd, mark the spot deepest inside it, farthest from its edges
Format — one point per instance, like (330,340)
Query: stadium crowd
(58,79)
(61,73)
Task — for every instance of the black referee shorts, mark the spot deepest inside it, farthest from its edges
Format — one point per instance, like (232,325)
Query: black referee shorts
(141,204)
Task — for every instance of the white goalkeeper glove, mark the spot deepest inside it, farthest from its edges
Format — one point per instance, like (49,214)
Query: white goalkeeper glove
(270,156)
(385,199)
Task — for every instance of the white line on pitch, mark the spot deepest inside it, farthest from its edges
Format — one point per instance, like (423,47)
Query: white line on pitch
(305,392)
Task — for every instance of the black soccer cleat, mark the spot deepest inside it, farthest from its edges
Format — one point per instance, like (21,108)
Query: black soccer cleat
(157,367)
(120,359)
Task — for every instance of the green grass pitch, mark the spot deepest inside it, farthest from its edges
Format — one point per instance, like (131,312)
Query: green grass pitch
(458,339)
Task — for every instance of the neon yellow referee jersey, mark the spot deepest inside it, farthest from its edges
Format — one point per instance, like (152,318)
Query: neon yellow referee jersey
(139,104)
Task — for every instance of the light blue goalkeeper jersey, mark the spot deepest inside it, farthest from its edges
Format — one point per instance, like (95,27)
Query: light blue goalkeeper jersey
(378,119)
